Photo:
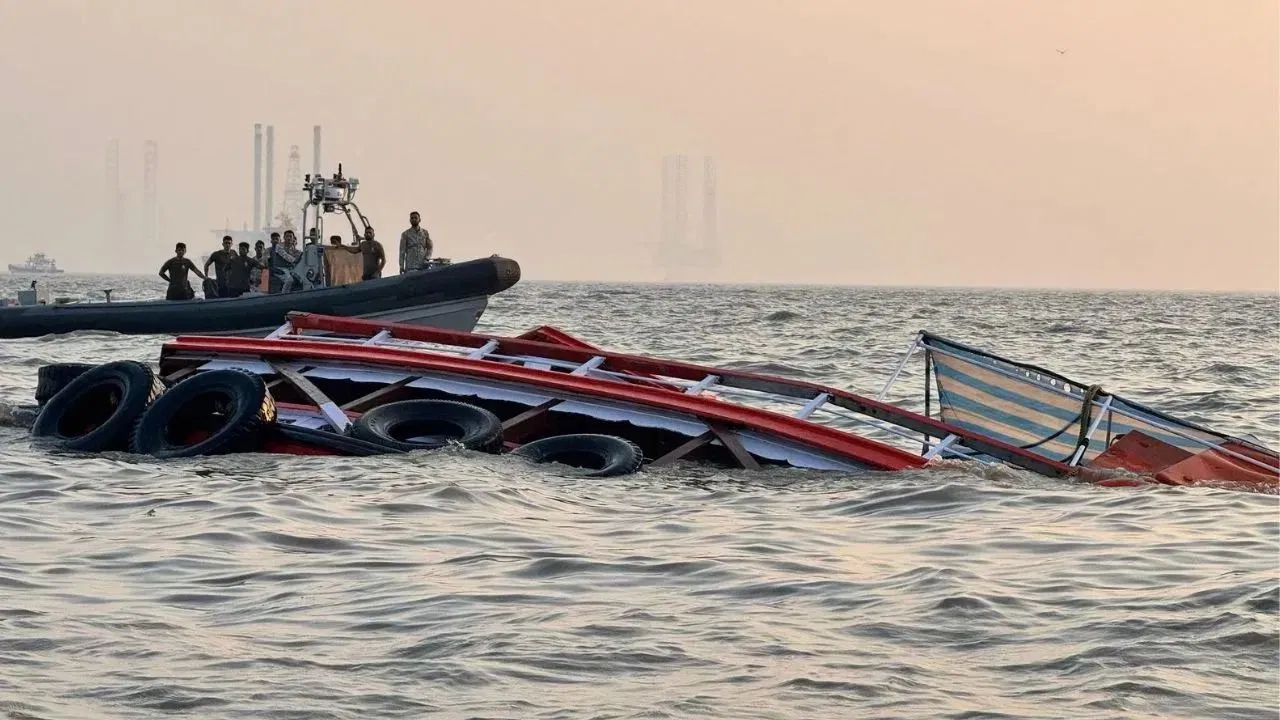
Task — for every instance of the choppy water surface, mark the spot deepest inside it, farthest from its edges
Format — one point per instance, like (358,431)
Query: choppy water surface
(464,586)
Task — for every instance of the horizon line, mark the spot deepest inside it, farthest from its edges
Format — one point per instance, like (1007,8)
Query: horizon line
(793,283)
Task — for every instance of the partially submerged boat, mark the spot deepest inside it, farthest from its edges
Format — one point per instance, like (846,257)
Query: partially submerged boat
(334,385)
(1091,432)
(445,294)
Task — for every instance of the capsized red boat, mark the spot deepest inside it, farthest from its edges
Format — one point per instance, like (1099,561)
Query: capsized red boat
(333,385)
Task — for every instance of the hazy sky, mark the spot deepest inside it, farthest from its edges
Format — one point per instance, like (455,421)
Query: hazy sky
(936,142)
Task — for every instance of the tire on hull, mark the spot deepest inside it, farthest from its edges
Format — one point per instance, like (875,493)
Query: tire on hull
(430,425)
(596,455)
(96,411)
(214,412)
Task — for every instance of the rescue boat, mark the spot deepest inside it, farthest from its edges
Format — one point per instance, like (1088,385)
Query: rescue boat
(333,385)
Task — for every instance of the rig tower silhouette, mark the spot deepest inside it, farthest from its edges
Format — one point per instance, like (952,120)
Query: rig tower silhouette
(150,198)
(113,198)
(294,195)
(679,257)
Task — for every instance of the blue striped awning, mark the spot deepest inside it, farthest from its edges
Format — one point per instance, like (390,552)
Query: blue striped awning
(1030,407)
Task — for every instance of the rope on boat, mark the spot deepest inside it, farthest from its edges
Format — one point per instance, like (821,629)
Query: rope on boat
(1083,418)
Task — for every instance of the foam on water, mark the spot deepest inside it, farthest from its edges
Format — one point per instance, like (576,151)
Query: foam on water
(461,585)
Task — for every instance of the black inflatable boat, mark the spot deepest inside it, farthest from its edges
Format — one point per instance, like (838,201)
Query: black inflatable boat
(451,297)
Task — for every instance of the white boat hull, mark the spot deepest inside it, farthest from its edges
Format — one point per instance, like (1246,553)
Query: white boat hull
(461,315)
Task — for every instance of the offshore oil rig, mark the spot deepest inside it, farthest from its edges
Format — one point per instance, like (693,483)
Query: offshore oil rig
(680,257)
(267,216)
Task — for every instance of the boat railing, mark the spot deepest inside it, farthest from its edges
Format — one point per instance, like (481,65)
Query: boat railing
(888,421)
(1103,405)
(814,408)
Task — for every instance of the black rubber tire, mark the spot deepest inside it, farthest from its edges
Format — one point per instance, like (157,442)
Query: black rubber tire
(52,378)
(597,455)
(325,438)
(232,405)
(449,421)
(96,411)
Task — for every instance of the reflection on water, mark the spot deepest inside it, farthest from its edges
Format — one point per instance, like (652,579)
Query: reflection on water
(465,585)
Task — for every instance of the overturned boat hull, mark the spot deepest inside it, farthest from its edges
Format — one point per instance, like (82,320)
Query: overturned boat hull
(548,382)
(452,296)
(334,385)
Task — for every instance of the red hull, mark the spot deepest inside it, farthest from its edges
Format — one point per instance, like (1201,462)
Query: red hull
(1143,455)
(873,454)
(642,382)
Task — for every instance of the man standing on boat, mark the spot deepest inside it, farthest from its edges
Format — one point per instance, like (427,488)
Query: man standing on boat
(174,271)
(274,280)
(220,259)
(260,267)
(373,256)
(284,259)
(415,245)
(238,271)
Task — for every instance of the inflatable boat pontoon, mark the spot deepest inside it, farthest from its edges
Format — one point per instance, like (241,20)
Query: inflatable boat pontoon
(450,296)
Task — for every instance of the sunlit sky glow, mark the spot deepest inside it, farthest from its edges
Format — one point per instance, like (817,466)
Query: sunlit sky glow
(933,142)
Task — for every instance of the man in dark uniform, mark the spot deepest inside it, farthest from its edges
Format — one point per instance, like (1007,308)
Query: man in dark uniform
(274,282)
(219,260)
(174,271)
(239,268)
(373,256)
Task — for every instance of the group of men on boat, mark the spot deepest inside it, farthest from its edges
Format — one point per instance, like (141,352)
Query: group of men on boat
(286,267)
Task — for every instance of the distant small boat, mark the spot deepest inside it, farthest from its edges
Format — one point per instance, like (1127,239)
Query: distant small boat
(38,264)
